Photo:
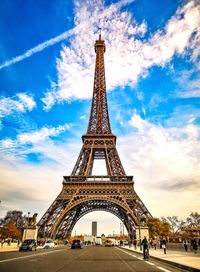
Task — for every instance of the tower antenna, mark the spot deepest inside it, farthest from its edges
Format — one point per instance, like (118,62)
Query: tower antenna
(99,33)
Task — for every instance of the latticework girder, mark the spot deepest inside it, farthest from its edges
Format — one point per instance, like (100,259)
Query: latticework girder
(82,192)
(80,197)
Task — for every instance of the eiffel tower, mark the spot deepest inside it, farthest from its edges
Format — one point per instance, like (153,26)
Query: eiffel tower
(83,192)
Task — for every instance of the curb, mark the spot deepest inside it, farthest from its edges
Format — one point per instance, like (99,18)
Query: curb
(182,266)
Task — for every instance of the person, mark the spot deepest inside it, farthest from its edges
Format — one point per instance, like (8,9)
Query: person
(135,243)
(164,246)
(154,244)
(145,246)
(195,246)
(2,242)
(185,244)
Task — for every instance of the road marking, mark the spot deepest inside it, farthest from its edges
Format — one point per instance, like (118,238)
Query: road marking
(139,258)
(31,256)
(128,265)
(163,269)
(151,263)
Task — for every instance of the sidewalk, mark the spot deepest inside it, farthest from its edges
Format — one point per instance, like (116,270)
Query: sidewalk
(185,260)
(7,248)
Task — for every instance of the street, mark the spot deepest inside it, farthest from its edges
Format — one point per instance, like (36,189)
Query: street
(88,259)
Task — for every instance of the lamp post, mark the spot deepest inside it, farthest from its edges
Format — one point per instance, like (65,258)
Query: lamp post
(139,232)
(139,223)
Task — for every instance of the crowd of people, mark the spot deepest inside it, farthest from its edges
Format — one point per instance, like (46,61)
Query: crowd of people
(7,241)
(191,244)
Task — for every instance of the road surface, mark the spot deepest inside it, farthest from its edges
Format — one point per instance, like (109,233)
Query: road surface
(88,259)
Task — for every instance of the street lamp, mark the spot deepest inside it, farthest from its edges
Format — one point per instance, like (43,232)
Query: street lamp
(139,222)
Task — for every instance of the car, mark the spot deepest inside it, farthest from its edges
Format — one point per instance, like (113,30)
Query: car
(108,243)
(28,245)
(49,244)
(125,243)
(76,244)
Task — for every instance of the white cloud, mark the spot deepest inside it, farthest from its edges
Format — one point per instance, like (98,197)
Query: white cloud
(34,137)
(27,101)
(188,83)
(32,189)
(42,134)
(20,103)
(41,143)
(165,164)
(164,161)
(128,57)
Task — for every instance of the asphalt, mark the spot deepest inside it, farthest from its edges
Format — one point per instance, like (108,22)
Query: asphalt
(94,259)
(184,260)
(189,261)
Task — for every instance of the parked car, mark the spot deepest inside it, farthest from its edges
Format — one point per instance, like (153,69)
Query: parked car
(29,244)
(76,244)
(49,244)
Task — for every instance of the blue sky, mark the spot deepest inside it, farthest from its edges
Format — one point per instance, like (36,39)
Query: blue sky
(46,80)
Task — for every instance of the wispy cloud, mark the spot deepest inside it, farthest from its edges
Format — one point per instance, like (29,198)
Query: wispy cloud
(40,142)
(38,48)
(20,103)
(127,55)
(34,136)
(188,84)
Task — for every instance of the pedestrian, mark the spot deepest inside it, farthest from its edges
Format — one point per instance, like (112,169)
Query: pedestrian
(164,246)
(185,244)
(154,244)
(135,243)
(195,246)
(2,242)
(145,246)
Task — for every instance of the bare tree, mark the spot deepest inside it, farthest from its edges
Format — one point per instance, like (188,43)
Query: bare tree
(194,220)
(176,224)
(15,218)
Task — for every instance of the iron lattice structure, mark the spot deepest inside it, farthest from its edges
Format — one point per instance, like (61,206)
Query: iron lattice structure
(82,192)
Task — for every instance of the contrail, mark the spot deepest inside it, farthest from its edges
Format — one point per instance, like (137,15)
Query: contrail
(52,41)
(38,48)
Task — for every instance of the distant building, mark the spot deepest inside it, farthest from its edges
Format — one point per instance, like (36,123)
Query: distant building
(94,228)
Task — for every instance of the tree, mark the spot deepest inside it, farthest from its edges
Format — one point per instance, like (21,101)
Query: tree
(11,231)
(194,220)
(158,227)
(176,224)
(15,218)
(12,224)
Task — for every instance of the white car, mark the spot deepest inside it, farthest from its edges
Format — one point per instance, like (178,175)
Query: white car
(49,244)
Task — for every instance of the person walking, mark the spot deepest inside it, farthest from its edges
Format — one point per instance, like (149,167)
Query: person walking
(195,246)
(2,242)
(154,244)
(145,246)
(135,243)
(164,246)
(185,244)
